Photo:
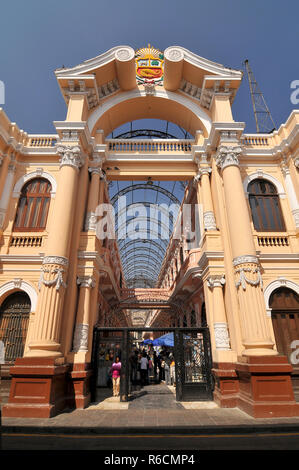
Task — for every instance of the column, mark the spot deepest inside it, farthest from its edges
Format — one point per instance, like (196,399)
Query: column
(208,211)
(81,334)
(255,334)
(52,283)
(95,195)
(291,193)
(222,341)
(6,194)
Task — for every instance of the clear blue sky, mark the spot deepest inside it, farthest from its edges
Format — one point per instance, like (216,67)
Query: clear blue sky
(36,37)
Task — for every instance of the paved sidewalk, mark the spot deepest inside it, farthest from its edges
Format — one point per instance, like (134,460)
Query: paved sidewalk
(154,410)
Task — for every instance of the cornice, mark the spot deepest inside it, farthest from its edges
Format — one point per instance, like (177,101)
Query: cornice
(22,258)
(110,55)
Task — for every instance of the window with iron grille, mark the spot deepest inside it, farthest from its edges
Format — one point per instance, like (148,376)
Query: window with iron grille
(14,318)
(265,206)
(33,207)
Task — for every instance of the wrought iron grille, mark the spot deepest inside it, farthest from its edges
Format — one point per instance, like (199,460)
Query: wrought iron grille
(14,317)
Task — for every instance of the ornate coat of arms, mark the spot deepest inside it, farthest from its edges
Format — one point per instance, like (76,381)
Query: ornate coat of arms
(149,65)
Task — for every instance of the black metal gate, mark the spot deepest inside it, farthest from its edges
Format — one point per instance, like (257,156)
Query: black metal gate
(14,318)
(192,355)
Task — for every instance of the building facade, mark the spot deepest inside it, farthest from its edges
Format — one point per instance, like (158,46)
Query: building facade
(239,276)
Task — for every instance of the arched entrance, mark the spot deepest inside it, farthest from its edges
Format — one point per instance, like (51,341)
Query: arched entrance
(14,318)
(284,303)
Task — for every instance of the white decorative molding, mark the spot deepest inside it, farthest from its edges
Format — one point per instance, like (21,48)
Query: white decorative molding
(244,280)
(90,222)
(295,213)
(174,54)
(70,156)
(39,172)
(124,54)
(216,281)
(245,259)
(221,336)
(80,341)
(53,259)
(149,88)
(23,286)
(168,95)
(280,282)
(209,220)
(86,281)
(57,281)
(17,282)
(261,174)
(228,156)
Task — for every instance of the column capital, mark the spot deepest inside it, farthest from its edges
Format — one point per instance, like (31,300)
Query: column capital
(228,156)
(217,280)
(200,172)
(209,220)
(86,281)
(70,155)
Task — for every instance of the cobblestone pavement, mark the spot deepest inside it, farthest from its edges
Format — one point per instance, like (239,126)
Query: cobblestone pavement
(156,407)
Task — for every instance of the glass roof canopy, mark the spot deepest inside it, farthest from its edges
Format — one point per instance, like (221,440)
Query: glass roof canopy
(145,214)
(145,211)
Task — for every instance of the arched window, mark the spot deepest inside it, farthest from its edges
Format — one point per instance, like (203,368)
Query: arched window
(265,206)
(33,206)
(14,317)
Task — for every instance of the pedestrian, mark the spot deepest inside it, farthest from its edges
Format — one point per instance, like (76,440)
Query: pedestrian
(167,370)
(172,370)
(150,368)
(155,365)
(143,368)
(115,371)
(161,368)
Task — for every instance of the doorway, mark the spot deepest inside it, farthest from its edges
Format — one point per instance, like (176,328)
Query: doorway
(285,319)
(190,351)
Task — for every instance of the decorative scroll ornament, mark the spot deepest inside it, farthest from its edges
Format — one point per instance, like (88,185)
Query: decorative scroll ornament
(124,54)
(244,280)
(296,162)
(209,221)
(228,156)
(174,54)
(149,65)
(221,336)
(80,341)
(70,156)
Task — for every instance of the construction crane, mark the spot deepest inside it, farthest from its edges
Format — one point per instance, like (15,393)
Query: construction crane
(263,119)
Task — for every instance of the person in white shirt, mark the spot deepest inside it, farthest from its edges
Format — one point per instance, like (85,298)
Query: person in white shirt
(143,368)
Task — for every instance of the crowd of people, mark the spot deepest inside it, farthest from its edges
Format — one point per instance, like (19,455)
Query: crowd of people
(148,366)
